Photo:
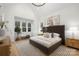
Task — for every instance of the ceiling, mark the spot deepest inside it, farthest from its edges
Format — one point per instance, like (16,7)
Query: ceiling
(49,8)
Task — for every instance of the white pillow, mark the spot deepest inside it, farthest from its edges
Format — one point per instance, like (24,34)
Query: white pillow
(46,35)
(50,35)
(56,34)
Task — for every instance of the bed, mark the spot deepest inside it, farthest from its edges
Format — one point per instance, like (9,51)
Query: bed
(48,45)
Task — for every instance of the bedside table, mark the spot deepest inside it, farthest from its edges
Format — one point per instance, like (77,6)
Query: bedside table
(72,42)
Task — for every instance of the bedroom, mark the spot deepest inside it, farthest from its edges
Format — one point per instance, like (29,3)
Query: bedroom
(61,19)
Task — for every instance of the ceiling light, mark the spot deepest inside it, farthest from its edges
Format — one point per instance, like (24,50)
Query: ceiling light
(38,4)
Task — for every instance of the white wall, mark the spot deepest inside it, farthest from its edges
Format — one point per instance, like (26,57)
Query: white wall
(20,10)
(69,16)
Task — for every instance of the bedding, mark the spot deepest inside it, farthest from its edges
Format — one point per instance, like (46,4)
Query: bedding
(47,42)
(47,35)
(59,34)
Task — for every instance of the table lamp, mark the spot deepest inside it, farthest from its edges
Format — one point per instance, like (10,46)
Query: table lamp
(73,31)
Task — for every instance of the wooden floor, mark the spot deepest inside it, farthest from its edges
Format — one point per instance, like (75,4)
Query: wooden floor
(14,50)
(24,48)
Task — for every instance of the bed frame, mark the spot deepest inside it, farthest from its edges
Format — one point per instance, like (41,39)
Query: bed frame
(57,29)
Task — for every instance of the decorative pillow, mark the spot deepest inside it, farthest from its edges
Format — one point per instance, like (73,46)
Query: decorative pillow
(46,35)
(50,35)
(56,34)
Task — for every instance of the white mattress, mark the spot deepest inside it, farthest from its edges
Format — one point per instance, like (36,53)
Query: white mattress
(47,42)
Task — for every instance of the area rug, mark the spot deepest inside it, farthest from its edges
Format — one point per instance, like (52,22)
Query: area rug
(26,49)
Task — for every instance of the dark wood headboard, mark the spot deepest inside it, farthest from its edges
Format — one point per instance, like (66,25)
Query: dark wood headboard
(56,29)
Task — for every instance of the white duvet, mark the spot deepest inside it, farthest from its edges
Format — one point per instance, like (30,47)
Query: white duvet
(47,42)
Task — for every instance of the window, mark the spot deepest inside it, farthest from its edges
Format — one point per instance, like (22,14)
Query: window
(23,27)
(29,27)
(17,24)
(24,24)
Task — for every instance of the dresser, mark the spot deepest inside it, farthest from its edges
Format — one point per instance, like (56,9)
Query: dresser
(72,42)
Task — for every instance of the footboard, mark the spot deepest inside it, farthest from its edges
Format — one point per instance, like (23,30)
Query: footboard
(44,49)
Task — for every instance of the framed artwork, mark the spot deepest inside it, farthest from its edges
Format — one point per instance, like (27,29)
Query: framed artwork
(50,21)
(57,20)
(53,20)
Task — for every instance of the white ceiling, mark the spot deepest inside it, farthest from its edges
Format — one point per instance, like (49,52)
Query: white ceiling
(48,8)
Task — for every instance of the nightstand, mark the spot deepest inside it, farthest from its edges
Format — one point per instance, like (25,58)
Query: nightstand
(72,42)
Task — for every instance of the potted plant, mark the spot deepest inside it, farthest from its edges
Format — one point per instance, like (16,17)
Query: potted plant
(17,30)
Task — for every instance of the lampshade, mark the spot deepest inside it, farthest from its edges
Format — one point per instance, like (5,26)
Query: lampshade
(72,32)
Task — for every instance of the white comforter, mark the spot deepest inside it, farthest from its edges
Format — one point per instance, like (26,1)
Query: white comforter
(47,42)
